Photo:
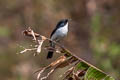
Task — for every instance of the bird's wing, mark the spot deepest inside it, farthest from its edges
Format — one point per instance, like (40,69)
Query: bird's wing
(57,26)
(53,32)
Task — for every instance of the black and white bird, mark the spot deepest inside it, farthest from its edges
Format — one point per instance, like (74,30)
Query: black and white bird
(58,33)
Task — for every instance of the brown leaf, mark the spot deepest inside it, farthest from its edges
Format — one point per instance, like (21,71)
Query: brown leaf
(28,32)
(81,73)
(61,59)
(68,73)
(76,77)
(70,78)
(25,50)
(65,63)
(40,42)
(39,74)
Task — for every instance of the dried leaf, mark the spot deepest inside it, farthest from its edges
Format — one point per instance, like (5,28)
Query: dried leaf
(28,32)
(45,77)
(70,78)
(40,42)
(68,72)
(33,34)
(81,73)
(65,63)
(25,50)
(61,59)
(76,77)
(39,74)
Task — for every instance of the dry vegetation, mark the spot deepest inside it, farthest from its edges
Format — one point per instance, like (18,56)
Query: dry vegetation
(94,33)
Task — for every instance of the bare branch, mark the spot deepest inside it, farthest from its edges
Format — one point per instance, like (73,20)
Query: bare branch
(25,50)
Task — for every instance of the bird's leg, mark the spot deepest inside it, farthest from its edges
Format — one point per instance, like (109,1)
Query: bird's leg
(60,41)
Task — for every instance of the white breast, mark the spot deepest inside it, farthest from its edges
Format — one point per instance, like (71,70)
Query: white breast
(60,33)
(63,30)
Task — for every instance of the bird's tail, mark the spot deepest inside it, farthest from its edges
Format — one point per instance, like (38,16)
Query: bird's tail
(50,53)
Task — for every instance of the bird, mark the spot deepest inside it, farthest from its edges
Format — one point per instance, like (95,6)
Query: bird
(58,34)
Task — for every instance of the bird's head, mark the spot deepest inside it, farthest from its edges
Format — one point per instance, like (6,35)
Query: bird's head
(63,22)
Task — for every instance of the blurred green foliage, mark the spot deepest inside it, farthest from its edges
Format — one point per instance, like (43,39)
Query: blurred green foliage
(105,51)
(4,32)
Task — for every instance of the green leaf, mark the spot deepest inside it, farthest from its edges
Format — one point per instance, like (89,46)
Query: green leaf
(82,65)
(109,78)
(93,74)
(96,21)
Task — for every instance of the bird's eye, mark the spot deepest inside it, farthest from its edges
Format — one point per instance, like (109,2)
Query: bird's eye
(62,24)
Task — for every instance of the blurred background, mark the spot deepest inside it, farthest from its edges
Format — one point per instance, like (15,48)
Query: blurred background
(94,34)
